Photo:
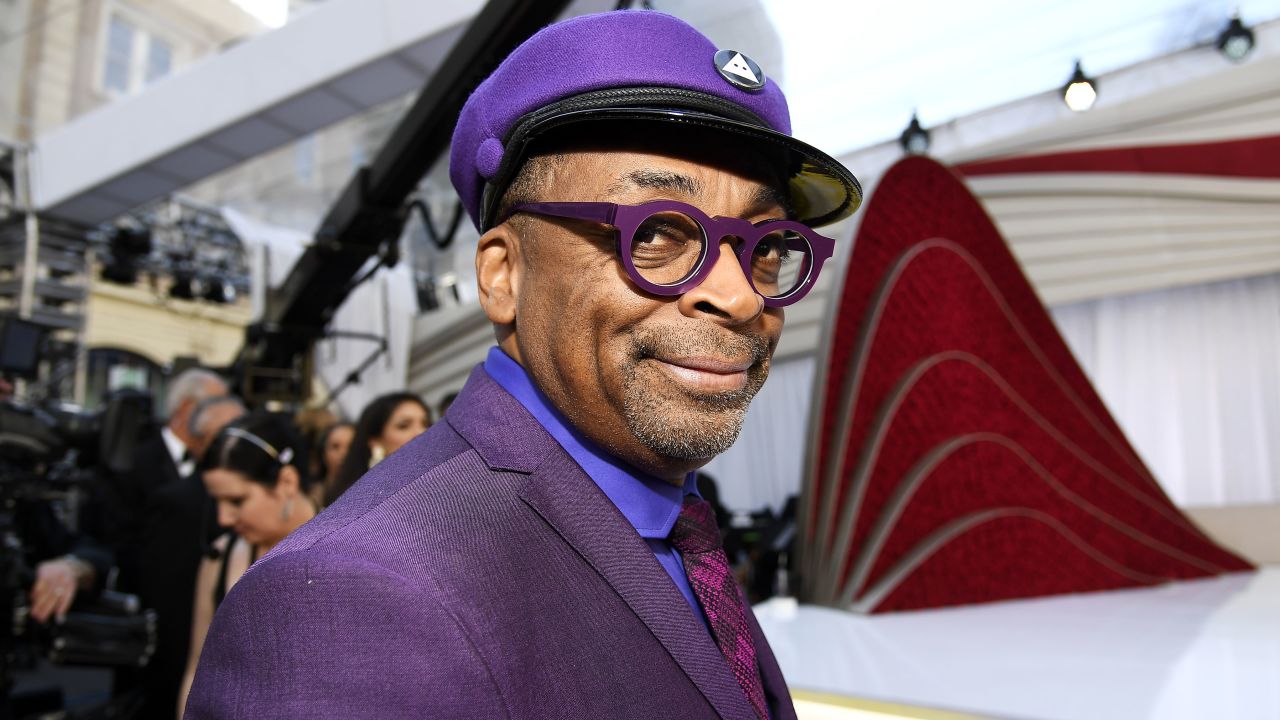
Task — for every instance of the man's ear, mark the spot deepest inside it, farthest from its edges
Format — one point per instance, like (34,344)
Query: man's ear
(498,273)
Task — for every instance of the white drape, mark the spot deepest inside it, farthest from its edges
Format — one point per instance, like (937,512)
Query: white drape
(1193,377)
(763,467)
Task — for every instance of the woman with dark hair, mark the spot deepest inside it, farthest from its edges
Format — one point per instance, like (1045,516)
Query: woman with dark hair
(327,458)
(387,423)
(254,471)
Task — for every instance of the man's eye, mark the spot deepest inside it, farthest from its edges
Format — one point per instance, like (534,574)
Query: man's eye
(773,248)
(672,226)
(667,235)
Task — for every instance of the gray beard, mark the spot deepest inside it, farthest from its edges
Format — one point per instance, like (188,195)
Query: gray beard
(659,423)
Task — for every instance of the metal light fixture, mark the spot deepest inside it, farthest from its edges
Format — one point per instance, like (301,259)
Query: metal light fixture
(1236,41)
(219,290)
(1081,91)
(183,287)
(915,139)
(129,248)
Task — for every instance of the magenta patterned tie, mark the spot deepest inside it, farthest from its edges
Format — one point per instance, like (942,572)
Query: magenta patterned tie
(697,539)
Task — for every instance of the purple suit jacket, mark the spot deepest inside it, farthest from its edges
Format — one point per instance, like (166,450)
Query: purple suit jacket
(477,572)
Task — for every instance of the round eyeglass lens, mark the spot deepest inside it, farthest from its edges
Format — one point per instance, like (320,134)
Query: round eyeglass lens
(780,263)
(667,248)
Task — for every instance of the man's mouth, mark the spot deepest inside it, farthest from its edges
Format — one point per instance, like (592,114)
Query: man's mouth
(707,375)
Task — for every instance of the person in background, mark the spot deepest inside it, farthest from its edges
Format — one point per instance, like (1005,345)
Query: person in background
(255,472)
(209,418)
(327,457)
(386,424)
(312,423)
(140,528)
(160,459)
(446,401)
(178,525)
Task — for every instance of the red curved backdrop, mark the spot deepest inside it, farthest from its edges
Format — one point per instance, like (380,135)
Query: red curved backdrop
(963,456)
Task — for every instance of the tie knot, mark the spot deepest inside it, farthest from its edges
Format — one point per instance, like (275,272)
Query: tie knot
(695,530)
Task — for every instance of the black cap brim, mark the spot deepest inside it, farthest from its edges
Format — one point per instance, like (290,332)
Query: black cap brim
(822,190)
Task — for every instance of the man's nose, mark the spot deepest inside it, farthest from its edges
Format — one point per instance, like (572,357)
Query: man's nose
(725,293)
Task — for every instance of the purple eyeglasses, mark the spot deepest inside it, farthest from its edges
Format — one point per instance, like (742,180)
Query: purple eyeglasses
(664,246)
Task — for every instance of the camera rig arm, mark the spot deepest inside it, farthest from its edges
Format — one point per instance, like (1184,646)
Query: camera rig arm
(368,216)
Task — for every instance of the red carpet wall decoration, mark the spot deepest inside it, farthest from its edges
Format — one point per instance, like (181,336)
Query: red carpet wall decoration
(962,455)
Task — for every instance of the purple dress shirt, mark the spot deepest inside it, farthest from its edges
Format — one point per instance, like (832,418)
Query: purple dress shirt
(649,504)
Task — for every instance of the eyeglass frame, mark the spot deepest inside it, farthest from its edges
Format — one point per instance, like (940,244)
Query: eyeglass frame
(627,219)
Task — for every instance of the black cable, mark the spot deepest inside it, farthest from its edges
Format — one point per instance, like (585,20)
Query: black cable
(440,241)
(388,255)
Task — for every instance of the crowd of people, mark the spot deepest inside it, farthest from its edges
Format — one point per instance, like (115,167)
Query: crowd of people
(210,490)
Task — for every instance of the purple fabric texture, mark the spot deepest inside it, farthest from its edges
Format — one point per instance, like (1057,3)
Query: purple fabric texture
(649,504)
(478,572)
(590,52)
(697,538)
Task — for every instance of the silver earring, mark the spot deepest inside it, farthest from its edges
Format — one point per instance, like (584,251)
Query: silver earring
(287,509)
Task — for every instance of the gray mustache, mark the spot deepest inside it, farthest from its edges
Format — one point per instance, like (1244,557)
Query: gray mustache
(702,342)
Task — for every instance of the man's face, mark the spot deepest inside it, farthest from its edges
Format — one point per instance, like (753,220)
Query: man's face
(181,418)
(661,382)
(212,421)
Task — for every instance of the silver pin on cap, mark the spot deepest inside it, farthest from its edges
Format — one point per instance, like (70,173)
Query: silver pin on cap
(740,70)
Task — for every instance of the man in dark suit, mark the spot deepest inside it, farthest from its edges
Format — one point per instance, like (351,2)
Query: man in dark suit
(543,552)
(163,462)
(160,459)
(178,527)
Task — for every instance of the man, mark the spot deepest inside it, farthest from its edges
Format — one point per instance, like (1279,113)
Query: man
(161,463)
(543,553)
(179,522)
(160,459)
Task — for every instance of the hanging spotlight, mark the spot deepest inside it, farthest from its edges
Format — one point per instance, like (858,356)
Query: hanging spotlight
(129,248)
(915,139)
(1235,42)
(1081,91)
(219,290)
(183,285)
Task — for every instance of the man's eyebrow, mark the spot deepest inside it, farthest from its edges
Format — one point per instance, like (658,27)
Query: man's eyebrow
(656,180)
(765,197)
(770,196)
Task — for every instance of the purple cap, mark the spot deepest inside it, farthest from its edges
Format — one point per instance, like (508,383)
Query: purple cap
(631,65)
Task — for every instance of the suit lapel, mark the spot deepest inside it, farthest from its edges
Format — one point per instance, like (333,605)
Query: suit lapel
(775,686)
(558,490)
(571,503)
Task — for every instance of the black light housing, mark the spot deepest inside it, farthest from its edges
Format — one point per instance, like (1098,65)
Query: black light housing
(1081,91)
(1236,41)
(183,285)
(129,246)
(915,139)
(219,290)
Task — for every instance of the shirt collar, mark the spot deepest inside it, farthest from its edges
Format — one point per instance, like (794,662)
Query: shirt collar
(651,505)
(174,445)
